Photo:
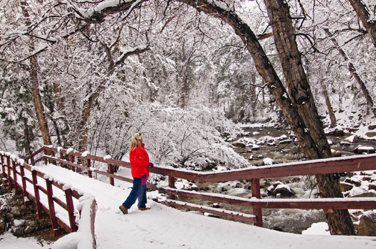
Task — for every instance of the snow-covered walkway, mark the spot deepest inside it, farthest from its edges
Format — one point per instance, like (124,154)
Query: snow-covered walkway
(165,227)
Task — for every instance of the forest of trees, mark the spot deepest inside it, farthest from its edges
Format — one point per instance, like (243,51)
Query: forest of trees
(87,74)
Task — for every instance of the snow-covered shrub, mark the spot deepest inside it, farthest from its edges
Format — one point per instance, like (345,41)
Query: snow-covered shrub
(172,136)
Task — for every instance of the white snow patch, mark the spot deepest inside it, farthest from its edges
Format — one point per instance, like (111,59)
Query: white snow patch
(320,228)
(268,161)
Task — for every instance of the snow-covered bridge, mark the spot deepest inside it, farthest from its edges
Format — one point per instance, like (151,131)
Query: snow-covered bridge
(163,226)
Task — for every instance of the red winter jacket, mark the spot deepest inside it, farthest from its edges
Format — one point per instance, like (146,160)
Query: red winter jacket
(139,162)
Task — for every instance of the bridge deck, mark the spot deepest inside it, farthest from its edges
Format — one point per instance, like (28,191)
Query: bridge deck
(165,227)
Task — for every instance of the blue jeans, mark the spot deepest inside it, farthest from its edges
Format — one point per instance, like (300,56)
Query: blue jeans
(138,191)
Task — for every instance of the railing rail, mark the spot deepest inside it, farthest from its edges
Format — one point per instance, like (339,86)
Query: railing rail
(31,157)
(13,168)
(332,165)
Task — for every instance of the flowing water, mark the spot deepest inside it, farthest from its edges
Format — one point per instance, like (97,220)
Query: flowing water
(279,146)
(282,147)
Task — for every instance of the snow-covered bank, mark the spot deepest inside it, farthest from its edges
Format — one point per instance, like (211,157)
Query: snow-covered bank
(8,241)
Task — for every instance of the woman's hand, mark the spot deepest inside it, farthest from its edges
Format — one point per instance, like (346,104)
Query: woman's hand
(144,179)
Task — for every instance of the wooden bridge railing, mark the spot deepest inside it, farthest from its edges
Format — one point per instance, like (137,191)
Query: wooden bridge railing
(333,165)
(37,187)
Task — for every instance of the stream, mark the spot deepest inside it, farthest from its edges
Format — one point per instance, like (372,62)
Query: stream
(273,146)
(279,145)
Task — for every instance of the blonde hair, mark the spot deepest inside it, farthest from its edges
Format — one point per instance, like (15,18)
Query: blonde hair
(136,141)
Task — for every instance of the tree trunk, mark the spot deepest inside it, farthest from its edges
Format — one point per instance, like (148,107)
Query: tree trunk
(27,139)
(253,94)
(33,70)
(339,221)
(184,89)
(62,140)
(82,144)
(354,73)
(265,69)
(289,108)
(363,14)
(38,101)
(333,120)
(296,79)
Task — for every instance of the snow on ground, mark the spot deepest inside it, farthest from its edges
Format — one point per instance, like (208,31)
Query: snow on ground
(320,228)
(8,241)
(165,227)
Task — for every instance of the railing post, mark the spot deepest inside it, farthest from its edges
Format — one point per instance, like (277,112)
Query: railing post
(69,199)
(53,155)
(62,158)
(93,210)
(22,172)
(71,159)
(36,193)
(257,211)
(31,160)
(111,171)
(49,153)
(171,184)
(51,207)
(88,165)
(9,166)
(45,159)
(3,167)
(14,168)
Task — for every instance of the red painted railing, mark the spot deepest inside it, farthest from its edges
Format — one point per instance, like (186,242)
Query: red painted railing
(26,178)
(333,165)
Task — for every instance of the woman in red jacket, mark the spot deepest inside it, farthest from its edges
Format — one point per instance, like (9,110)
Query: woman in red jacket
(139,166)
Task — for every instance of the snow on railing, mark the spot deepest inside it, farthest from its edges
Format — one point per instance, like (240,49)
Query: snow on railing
(84,238)
(21,175)
(313,167)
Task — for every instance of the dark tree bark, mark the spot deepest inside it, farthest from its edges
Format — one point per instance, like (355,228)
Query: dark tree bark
(38,101)
(312,140)
(265,69)
(333,120)
(363,14)
(253,94)
(296,79)
(33,70)
(354,73)
(339,221)
(27,138)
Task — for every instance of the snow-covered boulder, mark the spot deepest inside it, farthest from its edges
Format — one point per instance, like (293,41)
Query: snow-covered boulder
(286,141)
(240,143)
(283,137)
(354,180)
(336,153)
(346,186)
(280,190)
(364,149)
(255,147)
(372,186)
(268,161)
(345,143)
(361,192)
(367,224)
(352,139)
